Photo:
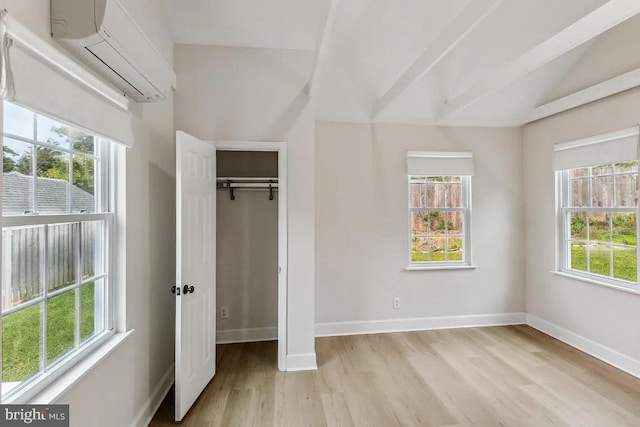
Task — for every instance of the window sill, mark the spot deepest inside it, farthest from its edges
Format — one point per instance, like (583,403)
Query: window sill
(440,267)
(80,370)
(598,282)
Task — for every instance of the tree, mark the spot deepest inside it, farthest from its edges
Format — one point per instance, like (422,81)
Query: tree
(83,173)
(51,163)
(83,167)
(8,164)
(54,164)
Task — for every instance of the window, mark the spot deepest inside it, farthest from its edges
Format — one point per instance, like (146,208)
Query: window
(597,181)
(439,208)
(57,223)
(598,216)
(439,217)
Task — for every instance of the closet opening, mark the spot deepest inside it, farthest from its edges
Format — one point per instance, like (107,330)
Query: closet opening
(251,244)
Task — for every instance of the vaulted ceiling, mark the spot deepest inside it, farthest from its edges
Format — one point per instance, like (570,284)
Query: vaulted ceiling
(453,62)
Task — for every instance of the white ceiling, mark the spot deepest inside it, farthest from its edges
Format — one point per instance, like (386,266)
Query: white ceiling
(373,42)
(274,24)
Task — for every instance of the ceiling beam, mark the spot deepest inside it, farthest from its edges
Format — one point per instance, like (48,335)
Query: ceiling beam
(598,91)
(445,42)
(595,23)
(320,53)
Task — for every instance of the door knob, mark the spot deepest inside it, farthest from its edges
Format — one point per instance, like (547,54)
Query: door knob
(186,289)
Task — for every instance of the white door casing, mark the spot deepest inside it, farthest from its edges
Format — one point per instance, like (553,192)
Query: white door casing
(283,231)
(195,266)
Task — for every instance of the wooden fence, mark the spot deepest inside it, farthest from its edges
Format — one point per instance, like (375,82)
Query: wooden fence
(22,252)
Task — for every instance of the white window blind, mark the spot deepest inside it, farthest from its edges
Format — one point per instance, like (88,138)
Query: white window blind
(613,147)
(440,163)
(42,77)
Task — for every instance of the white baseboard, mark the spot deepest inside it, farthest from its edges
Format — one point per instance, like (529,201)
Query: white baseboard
(231,336)
(418,324)
(295,362)
(301,362)
(148,410)
(599,351)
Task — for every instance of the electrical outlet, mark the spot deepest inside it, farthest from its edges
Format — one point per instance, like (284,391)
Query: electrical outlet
(396,303)
(224,312)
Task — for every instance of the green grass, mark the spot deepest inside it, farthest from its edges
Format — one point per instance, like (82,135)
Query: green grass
(418,256)
(602,234)
(624,261)
(623,230)
(22,333)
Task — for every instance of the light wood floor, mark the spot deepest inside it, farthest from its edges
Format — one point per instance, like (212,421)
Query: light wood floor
(500,376)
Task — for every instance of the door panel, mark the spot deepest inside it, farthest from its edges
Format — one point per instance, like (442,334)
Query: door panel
(195,266)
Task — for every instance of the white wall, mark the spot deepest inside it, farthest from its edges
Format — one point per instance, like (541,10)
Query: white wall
(361,224)
(608,317)
(257,95)
(119,389)
(247,264)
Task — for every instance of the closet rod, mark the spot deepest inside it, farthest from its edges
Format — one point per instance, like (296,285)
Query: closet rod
(231,184)
(255,185)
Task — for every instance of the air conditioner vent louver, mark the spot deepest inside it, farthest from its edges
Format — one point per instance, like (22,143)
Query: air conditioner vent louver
(111,68)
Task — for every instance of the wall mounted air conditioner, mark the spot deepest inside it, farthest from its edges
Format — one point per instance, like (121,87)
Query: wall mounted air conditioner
(104,37)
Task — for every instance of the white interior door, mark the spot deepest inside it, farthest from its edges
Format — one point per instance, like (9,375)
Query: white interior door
(196,267)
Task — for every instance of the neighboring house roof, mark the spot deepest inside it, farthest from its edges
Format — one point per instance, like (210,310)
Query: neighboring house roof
(52,195)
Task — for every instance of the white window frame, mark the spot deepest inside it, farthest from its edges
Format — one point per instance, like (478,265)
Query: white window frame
(106,196)
(563,234)
(465,195)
